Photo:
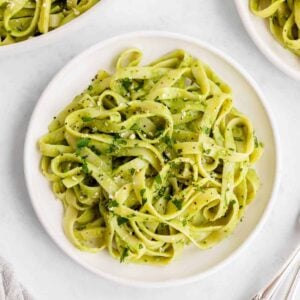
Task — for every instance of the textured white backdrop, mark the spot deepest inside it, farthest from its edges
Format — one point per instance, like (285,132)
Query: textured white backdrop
(40,265)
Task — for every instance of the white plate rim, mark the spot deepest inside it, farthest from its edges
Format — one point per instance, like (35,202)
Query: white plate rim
(51,36)
(250,80)
(261,45)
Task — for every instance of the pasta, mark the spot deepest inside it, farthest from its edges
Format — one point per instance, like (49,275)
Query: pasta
(284,20)
(150,159)
(23,19)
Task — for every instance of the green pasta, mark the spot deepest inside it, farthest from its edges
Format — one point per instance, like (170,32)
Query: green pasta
(23,19)
(150,159)
(284,20)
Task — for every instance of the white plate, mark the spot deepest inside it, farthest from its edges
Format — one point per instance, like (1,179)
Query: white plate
(72,79)
(261,35)
(51,36)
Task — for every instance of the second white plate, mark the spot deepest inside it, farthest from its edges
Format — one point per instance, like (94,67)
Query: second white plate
(261,35)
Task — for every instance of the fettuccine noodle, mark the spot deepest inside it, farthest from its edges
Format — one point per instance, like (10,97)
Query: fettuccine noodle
(150,159)
(23,19)
(284,20)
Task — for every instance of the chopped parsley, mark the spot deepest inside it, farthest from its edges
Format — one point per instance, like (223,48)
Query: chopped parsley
(112,204)
(119,141)
(132,170)
(157,179)
(200,189)
(256,142)
(142,192)
(124,254)
(140,84)
(232,202)
(84,167)
(207,151)
(177,203)
(126,83)
(168,140)
(135,127)
(122,220)
(82,142)
(140,246)
(206,130)
(112,148)
(86,119)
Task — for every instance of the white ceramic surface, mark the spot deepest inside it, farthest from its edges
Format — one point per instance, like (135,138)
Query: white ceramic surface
(72,79)
(51,36)
(260,33)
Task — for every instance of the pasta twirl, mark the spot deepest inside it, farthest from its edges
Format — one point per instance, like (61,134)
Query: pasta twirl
(151,158)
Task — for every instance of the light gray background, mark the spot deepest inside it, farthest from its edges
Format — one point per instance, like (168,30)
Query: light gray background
(40,265)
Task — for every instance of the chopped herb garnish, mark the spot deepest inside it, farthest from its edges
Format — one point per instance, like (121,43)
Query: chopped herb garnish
(200,189)
(206,130)
(86,119)
(256,142)
(132,170)
(119,141)
(112,148)
(135,127)
(140,84)
(238,139)
(142,192)
(157,179)
(122,220)
(140,246)
(184,222)
(177,203)
(83,142)
(113,203)
(167,197)
(168,140)
(84,167)
(90,87)
(232,202)
(207,151)
(124,254)
(126,83)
